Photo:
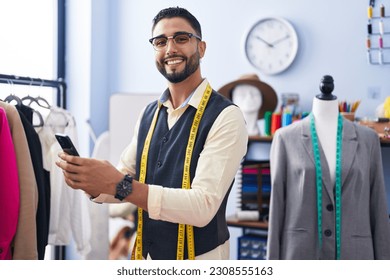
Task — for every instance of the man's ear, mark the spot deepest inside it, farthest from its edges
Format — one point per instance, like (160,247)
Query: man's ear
(202,48)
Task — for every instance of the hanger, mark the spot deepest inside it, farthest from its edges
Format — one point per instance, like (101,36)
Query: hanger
(40,99)
(36,112)
(29,97)
(40,119)
(42,102)
(12,97)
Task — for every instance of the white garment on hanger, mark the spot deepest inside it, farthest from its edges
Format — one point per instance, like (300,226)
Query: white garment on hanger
(69,211)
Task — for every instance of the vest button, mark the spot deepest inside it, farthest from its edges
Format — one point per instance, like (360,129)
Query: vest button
(328,232)
(164,139)
(329,207)
(159,163)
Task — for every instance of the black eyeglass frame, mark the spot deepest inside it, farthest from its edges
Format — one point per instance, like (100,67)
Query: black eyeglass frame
(190,35)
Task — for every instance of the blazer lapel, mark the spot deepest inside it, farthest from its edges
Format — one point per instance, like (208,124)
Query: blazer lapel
(306,138)
(326,174)
(349,147)
(307,143)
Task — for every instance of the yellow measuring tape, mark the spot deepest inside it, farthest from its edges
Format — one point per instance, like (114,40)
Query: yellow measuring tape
(137,251)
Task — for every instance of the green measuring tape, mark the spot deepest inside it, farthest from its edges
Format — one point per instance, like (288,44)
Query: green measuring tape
(317,160)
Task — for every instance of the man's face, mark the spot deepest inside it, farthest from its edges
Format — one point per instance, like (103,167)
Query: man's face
(177,62)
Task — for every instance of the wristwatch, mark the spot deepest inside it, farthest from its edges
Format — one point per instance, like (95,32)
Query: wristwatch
(124,187)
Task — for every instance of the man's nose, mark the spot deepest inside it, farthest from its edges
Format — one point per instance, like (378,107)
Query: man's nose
(171,46)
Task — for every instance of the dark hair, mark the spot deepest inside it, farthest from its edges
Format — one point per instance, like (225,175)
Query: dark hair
(178,12)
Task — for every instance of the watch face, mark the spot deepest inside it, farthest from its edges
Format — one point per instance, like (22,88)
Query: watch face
(271,45)
(124,188)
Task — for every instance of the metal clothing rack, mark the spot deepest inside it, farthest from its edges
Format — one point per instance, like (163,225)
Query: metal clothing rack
(59,251)
(59,84)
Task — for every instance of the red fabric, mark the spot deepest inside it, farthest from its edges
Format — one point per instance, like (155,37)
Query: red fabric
(9,189)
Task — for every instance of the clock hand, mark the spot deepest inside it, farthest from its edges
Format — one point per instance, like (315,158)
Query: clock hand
(264,41)
(280,40)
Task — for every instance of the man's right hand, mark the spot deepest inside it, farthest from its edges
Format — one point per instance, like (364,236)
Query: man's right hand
(90,175)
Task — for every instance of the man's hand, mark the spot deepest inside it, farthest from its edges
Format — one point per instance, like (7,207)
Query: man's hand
(90,175)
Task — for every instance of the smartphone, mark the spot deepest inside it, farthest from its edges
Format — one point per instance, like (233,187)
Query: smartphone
(66,144)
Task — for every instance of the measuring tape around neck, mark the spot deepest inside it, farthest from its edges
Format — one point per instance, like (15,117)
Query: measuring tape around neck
(318,169)
(137,251)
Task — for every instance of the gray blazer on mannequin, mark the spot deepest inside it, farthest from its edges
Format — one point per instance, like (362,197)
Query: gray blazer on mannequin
(365,228)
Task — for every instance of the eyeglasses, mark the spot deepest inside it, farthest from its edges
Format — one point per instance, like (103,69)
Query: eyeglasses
(180,39)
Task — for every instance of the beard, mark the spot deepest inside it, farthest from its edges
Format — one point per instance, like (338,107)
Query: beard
(177,77)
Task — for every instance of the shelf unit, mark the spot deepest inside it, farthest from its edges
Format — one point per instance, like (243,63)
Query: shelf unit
(257,158)
(252,244)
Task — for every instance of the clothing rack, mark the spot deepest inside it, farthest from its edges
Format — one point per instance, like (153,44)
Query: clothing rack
(28,81)
(59,251)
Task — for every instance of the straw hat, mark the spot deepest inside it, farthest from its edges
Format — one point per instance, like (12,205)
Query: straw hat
(269,97)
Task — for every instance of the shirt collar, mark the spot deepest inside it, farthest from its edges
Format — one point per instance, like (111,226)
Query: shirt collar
(193,100)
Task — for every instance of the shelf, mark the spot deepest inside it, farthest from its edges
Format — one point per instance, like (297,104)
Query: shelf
(260,138)
(234,222)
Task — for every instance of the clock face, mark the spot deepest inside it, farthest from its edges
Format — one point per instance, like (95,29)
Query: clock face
(271,45)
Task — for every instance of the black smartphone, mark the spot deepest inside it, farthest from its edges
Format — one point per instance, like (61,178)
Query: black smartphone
(66,144)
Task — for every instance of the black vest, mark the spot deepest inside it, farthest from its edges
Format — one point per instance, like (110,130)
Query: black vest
(165,168)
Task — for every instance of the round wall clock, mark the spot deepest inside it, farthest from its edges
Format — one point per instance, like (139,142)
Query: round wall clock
(271,45)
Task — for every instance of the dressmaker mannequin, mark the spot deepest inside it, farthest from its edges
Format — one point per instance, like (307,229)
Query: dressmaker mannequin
(320,217)
(325,110)
(249,99)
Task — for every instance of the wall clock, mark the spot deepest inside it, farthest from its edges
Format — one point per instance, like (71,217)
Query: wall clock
(271,45)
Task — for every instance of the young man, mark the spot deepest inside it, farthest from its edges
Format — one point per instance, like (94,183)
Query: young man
(181,162)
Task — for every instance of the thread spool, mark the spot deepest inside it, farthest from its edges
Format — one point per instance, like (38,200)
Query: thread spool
(381,27)
(382,10)
(369,27)
(276,122)
(368,43)
(267,123)
(286,119)
(369,12)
